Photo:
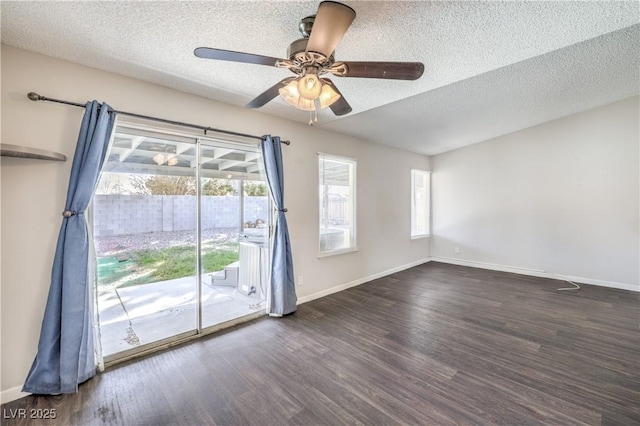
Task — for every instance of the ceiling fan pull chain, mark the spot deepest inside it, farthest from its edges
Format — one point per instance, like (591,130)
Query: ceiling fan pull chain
(310,118)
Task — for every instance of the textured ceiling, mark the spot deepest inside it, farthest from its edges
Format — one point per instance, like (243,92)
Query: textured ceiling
(490,67)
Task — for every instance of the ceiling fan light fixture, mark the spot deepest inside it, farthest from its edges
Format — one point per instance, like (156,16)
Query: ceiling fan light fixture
(159,159)
(291,95)
(172,160)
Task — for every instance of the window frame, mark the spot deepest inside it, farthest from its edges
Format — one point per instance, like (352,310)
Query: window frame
(414,235)
(352,200)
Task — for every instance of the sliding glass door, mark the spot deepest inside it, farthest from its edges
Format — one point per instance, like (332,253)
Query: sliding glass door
(172,219)
(234,225)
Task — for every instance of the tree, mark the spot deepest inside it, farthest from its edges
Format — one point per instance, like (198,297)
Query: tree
(255,189)
(218,186)
(180,185)
(106,187)
(163,185)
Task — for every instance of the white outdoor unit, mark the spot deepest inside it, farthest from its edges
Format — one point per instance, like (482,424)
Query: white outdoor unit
(253,269)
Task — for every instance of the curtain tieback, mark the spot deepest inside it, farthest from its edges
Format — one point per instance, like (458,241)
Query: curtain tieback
(68,213)
(282,210)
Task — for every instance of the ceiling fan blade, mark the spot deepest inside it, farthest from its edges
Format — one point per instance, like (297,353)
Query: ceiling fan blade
(331,22)
(341,106)
(386,70)
(229,55)
(268,95)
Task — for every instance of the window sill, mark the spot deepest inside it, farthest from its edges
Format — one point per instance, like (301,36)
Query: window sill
(417,237)
(337,252)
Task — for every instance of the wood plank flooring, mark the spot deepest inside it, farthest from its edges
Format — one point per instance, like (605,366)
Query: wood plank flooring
(435,344)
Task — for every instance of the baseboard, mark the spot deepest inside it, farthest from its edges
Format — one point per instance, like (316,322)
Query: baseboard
(535,273)
(12,394)
(336,289)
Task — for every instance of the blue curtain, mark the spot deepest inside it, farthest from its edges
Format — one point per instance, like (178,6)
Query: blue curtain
(283,290)
(65,355)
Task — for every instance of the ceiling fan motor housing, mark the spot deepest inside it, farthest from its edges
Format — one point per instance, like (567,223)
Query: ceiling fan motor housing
(297,47)
(297,52)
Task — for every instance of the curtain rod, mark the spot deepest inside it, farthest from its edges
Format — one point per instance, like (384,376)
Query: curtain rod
(36,97)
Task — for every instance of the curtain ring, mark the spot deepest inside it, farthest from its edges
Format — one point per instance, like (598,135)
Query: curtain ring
(68,213)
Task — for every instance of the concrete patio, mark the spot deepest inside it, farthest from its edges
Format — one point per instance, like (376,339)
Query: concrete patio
(137,315)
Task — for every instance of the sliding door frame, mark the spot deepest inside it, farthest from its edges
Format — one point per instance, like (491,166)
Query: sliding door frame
(198,142)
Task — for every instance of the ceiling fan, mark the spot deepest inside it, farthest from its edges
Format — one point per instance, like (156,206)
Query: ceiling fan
(312,57)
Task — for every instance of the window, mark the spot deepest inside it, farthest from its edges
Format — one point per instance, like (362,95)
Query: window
(337,192)
(420,203)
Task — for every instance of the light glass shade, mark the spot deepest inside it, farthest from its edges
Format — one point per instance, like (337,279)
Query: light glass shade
(309,86)
(291,95)
(171,159)
(158,158)
(328,96)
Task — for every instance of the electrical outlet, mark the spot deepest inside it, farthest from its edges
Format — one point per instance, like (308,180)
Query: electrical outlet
(456,250)
(300,281)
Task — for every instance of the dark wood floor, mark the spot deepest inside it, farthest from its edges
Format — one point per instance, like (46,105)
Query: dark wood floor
(435,344)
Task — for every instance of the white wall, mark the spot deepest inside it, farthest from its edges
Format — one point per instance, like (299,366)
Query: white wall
(558,198)
(33,191)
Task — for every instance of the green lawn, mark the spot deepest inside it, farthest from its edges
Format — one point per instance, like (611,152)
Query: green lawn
(148,266)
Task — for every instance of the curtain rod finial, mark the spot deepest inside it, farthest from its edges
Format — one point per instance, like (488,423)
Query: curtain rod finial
(34,96)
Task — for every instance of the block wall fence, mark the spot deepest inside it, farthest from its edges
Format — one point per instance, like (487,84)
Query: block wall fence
(138,214)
